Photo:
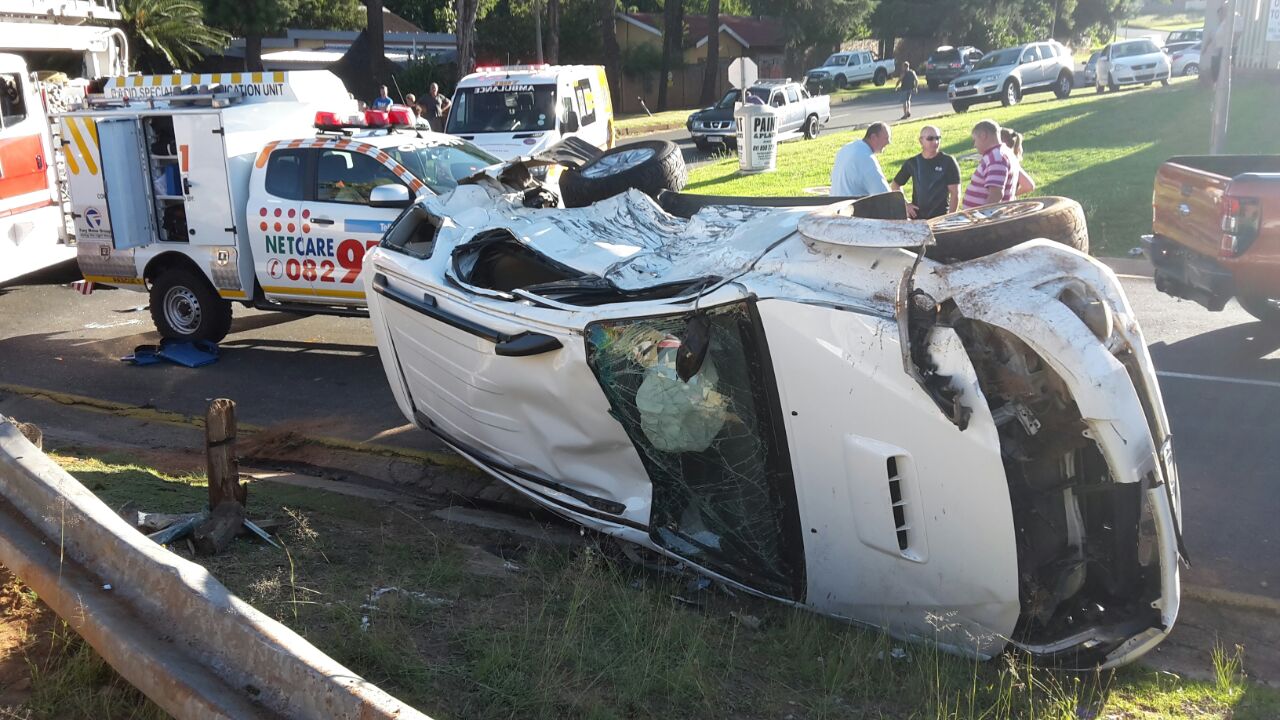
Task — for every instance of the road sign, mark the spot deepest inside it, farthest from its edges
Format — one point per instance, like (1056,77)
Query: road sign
(742,72)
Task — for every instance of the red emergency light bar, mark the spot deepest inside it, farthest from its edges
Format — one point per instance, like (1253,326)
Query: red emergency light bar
(333,121)
(509,68)
(395,116)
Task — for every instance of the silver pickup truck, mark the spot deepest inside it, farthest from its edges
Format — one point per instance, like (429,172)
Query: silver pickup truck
(799,113)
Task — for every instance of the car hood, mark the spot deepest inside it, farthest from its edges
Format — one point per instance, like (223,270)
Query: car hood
(712,114)
(975,74)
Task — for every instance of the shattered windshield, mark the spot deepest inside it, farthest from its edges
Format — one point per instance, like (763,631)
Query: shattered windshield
(442,165)
(723,494)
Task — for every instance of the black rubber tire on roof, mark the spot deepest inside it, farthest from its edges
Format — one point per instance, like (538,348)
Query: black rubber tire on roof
(184,306)
(1262,308)
(970,234)
(657,166)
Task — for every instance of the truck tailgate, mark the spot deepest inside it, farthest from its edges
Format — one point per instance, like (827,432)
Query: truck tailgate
(1185,207)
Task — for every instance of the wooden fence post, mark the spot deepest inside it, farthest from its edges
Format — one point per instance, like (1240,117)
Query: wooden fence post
(227,496)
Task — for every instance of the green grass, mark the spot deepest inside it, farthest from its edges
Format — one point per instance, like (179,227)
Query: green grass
(1102,151)
(641,124)
(1170,22)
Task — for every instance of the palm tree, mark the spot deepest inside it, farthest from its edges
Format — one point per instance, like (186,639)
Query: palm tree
(168,32)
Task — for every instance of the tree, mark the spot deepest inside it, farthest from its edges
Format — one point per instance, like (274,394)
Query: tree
(466,34)
(672,46)
(377,39)
(810,24)
(713,54)
(553,31)
(250,19)
(612,54)
(168,32)
(328,15)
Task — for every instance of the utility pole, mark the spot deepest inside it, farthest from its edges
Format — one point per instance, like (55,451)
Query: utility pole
(537,27)
(1222,90)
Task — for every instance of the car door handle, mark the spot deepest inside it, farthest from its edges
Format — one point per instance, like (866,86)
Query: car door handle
(521,344)
(320,221)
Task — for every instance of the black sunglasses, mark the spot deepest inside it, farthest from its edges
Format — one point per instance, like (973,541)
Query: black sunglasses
(932,137)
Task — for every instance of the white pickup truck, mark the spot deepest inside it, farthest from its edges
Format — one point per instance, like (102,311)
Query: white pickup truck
(799,113)
(217,189)
(850,69)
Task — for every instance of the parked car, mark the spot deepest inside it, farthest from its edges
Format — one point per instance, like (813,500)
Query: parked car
(799,114)
(1130,62)
(1006,75)
(1090,71)
(1216,231)
(964,448)
(849,69)
(1171,48)
(948,63)
(1186,62)
(1194,35)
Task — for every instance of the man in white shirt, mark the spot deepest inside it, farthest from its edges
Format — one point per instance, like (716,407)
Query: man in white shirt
(856,172)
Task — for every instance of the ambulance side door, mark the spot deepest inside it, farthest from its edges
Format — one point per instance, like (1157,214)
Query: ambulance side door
(206,186)
(591,124)
(342,224)
(277,190)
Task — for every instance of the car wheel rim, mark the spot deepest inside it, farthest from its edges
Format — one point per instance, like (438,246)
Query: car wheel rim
(617,162)
(182,310)
(1065,85)
(1013,95)
(989,213)
(1193,70)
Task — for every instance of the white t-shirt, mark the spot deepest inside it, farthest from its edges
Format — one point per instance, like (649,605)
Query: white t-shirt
(856,172)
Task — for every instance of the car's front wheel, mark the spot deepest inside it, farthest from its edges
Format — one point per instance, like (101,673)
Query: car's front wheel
(840,82)
(1263,308)
(649,166)
(1062,88)
(960,106)
(811,127)
(1011,93)
(1112,85)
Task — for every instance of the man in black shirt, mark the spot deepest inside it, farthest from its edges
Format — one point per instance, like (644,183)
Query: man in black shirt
(934,177)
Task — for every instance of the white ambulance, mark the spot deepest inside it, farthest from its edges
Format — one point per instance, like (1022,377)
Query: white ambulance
(204,190)
(519,110)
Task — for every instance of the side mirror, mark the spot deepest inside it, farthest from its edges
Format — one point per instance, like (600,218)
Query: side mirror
(391,195)
(570,122)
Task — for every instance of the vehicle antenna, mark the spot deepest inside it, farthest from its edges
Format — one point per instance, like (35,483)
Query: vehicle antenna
(398,92)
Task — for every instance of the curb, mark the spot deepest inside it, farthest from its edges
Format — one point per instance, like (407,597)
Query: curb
(169,417)
(650,129)
(1230,598)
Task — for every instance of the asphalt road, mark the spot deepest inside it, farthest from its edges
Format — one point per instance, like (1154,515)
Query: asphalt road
(1220,373)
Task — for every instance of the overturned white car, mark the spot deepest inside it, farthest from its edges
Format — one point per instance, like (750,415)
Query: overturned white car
(798,402)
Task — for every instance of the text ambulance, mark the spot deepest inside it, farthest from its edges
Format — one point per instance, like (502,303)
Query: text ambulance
(208,189)
(521,110)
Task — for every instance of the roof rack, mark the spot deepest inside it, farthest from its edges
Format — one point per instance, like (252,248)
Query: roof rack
(774,81)
(215,97)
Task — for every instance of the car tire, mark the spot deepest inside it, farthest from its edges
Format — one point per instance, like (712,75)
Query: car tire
(1261,308)
(1191,70)
(649,166)
(881,77)
(934,85)
(1010,94)
(702,145)
(975,233)
(811,127)
(1112,85)
(839,83)
(184,306)
(1062,88)
(1164,81)
(959,106)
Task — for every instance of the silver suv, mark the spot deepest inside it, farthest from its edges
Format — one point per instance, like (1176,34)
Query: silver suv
(1006,75)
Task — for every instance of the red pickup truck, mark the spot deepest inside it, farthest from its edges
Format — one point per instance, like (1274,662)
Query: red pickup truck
(1216,231)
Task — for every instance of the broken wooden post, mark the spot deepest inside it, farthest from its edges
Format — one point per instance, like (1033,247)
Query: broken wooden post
(227,496)
(32,433)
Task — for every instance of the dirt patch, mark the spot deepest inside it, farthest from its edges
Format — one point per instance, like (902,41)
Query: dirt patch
(23,619)
(1201,626)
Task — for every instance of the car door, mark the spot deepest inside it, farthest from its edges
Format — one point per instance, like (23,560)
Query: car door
(580,407)
(274,217)
(1029,67)
(795,108)
(337,222)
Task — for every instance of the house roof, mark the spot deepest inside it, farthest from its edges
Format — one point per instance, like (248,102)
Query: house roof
(755,32)
(393,23)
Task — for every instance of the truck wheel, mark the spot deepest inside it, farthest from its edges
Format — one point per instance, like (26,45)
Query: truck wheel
(649,166)
(184,306)
(811,127)
(840,82)
(975,233)
(881,77)
(1262,308)
(1062,89)
(1011,93)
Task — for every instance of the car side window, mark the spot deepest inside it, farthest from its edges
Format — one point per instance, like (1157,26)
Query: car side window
(285,174)
(13,109)
(586,101)
(1028,56)
(792,95)
(348,177)
(777,100)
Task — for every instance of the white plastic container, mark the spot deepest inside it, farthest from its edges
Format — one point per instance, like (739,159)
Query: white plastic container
(757,129)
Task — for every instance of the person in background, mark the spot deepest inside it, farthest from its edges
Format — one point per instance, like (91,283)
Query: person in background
(437,107)
(907,83)
(856,172)
(934,177)
(383,101)
(1217,43)
(1013,140)
(996,177)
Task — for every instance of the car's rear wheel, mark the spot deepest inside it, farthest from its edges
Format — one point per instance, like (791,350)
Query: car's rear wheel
(1191,70)
(975,233)
(1263,308)
(881,77)
(184,306)
(1011,93)
(960,106)
(811,127)
(1062,88)
(934,85)
(649,166)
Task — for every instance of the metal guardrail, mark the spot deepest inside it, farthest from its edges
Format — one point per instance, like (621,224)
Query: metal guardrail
(164,623)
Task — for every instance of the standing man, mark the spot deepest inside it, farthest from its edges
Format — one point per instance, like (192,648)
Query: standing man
(1215,47)
(438,106)
(934,177)
(383,101)
(907,83)
(996,177)
(856,172)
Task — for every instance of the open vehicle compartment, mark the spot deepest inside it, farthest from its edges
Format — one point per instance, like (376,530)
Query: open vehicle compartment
(1023,494)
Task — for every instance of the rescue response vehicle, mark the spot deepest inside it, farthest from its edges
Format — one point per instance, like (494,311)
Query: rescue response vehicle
(203,190)
(521,110)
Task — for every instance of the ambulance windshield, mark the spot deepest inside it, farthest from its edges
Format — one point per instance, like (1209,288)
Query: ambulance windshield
(503,107)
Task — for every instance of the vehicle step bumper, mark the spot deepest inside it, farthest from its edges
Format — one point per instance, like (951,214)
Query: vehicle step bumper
(1186,274)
